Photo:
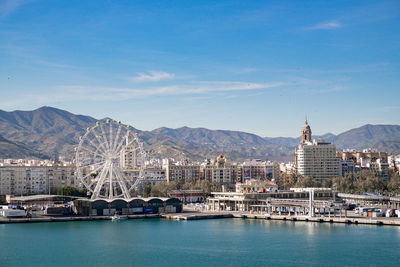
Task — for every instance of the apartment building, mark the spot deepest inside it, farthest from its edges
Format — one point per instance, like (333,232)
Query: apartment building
(221,171)
(26,180)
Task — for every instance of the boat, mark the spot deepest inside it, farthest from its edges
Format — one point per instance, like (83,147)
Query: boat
(117,217)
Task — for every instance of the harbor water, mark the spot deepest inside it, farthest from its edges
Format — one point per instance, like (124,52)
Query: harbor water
(223,242)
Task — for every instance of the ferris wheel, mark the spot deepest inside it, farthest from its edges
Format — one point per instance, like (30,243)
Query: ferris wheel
(110,160)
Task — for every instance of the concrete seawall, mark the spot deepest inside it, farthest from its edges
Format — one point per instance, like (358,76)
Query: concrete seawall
(72,218)
(187,216)
(347,220)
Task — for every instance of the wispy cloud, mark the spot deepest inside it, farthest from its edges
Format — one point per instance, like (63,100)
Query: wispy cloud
(326,26)
(245,70)
(52,64)
(373,67)
(152,76)
(390,108)
(9,6)
(68,93)
(193,88)
(333,89)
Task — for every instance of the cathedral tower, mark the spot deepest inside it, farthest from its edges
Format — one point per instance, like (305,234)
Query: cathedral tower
(305,133)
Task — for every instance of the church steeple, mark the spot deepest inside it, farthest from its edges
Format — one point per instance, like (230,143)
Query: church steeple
(305,133)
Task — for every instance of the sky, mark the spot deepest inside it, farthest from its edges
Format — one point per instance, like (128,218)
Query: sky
(252,66)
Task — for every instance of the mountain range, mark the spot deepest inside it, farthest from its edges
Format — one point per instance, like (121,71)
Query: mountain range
(49,132)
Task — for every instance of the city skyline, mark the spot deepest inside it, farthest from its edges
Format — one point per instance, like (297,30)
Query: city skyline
(253,67)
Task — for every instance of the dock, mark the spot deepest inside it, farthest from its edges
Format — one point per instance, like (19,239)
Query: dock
(73,218)
(224,215)
(197,216)
(189,216)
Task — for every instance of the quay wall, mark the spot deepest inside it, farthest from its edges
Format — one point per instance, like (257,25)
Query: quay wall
(216,215)
(72,218)
(346,220)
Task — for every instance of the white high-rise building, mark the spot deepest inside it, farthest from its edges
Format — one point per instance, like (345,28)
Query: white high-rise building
(316,159)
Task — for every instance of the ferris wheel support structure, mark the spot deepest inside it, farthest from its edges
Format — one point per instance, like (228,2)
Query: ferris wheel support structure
(100,154)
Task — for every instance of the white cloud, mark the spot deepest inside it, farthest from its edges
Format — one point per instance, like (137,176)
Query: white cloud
(192,88)
(152,76)
(246,70)
(9,6)
(72,93)
(326,26)
(390,108)
(328,90)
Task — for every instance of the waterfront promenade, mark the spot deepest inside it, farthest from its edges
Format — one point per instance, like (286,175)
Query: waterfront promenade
(351,219)
(204,215)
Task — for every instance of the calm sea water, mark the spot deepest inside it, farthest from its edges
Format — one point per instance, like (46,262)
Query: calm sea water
(224,242)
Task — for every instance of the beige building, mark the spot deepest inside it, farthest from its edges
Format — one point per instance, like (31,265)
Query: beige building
(154,175)
(257,169)
(368,159)
(256,186)
(26,180)
(221,171)
(128,157)
(316,159)
(187,173)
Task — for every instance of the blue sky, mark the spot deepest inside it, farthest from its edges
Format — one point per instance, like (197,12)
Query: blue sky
(254,66)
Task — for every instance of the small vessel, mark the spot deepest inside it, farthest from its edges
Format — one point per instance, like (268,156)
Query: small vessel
(117,217)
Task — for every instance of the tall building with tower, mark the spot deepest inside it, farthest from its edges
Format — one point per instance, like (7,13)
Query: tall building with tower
(306,133)
(317,158)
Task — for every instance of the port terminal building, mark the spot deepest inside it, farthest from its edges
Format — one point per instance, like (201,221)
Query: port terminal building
(106,207)
(242,201)
(295,201)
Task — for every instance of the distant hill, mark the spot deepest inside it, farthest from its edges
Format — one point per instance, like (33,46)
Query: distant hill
(203,143)
(52,131)
(9,149)
(374,136)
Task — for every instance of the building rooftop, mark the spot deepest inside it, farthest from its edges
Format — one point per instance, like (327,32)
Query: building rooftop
(40,197)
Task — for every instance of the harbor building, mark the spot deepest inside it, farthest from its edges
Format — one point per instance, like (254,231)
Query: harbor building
(255,185)
(107,207)
(316,159)
(281,201)
(188,196)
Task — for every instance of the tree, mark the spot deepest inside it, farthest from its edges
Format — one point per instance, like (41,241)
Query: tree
(393,185)
(71,191)
(343,184)
(147,189)
(368,181)
(307,182)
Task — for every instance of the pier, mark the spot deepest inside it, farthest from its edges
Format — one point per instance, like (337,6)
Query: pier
(246,215)
(73,218)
